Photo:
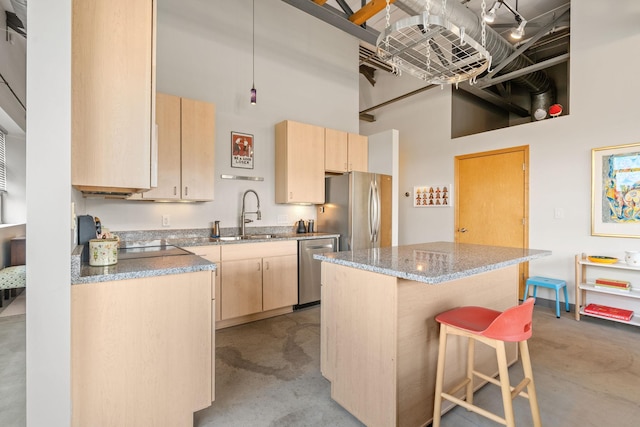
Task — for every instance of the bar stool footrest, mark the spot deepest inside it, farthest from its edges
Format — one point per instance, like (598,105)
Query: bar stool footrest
(474,408)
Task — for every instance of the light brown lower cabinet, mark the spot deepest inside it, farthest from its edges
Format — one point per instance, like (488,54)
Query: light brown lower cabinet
(142,350)
(241,288)
(279,281)
(258,278)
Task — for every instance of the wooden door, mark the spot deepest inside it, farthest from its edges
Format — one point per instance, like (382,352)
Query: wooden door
(168,121)
(241,288)
(279,281)
(491,201)
(198,149)
(335,150)
(358,152)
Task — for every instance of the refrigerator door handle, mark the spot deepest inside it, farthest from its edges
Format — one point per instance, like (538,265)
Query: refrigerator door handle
(371,216)
(375,211)
(378,213)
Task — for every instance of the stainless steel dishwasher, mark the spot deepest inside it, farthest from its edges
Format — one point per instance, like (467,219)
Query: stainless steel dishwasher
(309,268)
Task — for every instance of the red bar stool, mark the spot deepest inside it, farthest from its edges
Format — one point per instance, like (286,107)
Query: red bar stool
(492,328)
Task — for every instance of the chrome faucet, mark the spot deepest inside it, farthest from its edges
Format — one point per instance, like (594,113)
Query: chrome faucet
(243,219)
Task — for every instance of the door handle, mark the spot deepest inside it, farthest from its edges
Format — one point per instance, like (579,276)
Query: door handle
(463,230)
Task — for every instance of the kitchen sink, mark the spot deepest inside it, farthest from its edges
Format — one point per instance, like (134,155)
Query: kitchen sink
(245,237)
(228,238)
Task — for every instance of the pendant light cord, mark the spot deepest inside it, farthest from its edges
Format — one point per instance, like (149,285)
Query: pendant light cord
(253,43)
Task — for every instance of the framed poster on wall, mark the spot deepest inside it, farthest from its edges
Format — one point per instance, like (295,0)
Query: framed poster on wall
(242,145)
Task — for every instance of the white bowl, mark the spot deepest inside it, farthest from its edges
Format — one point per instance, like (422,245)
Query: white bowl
(632,257)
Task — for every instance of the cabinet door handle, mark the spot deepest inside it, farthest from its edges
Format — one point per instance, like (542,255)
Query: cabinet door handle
(258,266)
(290,194)
(186,191)
(345,166)
(267,265)
(175,190)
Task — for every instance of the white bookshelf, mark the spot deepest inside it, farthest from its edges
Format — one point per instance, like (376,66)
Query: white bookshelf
(587,292)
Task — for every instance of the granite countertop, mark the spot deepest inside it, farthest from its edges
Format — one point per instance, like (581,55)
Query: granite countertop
(185,242)
(135,268)
(433,263)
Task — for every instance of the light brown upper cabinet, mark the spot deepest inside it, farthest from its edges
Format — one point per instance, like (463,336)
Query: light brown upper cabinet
(112,95)
(345,152)
(358,152)
(299,163)
(186,149)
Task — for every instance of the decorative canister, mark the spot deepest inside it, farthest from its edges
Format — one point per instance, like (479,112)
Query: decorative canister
(632,258)
(103,252)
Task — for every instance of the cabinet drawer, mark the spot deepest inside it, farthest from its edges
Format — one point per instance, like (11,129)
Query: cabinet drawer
(258,250)
(208,252)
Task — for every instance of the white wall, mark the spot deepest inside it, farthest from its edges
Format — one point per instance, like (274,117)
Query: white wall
(603,112)
(305,70)
(48,214)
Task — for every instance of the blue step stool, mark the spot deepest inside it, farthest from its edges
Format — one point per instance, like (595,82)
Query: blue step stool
(546,282)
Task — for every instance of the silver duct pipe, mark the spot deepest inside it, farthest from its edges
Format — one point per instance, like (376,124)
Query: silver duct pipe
(537,82)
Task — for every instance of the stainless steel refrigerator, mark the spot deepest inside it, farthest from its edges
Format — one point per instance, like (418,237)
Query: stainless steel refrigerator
(358,207)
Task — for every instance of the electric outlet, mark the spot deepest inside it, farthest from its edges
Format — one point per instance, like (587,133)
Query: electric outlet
(166,220)
(558,213)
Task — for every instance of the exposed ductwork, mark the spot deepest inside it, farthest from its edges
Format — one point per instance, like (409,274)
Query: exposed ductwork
(537,83)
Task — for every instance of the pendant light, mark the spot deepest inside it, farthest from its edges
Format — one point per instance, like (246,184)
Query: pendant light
(254,92)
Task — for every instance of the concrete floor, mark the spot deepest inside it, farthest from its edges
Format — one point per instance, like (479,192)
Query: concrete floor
(267,374)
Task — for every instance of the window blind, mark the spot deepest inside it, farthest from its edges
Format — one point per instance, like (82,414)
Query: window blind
(3,162)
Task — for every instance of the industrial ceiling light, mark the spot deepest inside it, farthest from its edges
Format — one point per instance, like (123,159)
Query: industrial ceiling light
(254,92)
(517,33)
(491,15)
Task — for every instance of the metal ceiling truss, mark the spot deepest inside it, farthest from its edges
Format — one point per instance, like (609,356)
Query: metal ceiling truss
(354,23)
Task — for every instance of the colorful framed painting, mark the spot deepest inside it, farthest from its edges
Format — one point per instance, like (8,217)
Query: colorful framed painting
(242,145)
(433,196)
(615,191)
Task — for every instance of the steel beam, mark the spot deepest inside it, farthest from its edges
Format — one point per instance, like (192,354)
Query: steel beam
(336,18)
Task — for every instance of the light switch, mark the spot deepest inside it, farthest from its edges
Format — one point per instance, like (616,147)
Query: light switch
(558,213)
(166,220)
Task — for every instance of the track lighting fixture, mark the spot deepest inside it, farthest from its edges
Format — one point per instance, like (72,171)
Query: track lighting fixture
(517,33)
(491,15)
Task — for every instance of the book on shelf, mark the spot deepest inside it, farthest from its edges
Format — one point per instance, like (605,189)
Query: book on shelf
(614,282)
(622,284)
(611,312)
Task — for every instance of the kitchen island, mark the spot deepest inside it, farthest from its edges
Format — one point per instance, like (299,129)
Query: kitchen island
(379,339)
(142,338)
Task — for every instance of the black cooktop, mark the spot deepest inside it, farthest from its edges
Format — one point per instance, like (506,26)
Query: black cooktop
(150,251)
